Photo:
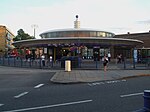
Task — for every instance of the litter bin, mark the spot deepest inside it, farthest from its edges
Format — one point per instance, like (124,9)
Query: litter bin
(67,65)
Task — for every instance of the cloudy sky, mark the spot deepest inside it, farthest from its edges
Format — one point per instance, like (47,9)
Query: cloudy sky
(117,16)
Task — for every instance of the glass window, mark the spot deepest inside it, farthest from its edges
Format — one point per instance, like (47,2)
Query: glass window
(103,34)
(98,34)
(84,34)
(92,34)
(53,34)
(57,34)
(109,35)
(49,35)
(69,34)
(46,35)
(84,52)
(76,34)
(90,52)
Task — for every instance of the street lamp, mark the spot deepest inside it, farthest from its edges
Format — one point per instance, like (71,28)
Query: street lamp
(34,26)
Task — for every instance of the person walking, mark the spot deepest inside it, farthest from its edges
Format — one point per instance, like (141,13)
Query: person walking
(105,62)
(109,56)
(119,57)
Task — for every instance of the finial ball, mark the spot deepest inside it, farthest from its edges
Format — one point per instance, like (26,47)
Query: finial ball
(77,16)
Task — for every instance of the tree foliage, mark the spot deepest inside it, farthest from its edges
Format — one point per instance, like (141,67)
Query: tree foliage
(21,35)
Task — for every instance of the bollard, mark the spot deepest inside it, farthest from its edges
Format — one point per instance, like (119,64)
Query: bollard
(67,65)
(147,100)
(146,107)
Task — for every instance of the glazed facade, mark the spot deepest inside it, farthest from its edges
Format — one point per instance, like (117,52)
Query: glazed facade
(76,33)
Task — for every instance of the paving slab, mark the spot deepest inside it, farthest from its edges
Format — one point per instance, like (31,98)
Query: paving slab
(80,76)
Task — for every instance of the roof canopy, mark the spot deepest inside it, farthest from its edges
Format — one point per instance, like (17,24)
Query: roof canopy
(77,41)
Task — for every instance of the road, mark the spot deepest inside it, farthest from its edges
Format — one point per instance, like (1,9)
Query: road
(33,92)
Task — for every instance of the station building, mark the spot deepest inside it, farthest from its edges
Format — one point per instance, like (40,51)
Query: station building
(87,43)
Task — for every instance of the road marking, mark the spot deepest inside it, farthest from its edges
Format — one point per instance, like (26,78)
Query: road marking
(20,95)
(123,80)
(128,95)
(1,105)
(38,86)
(49,106)
(111,82)
(96,83)
(106,82)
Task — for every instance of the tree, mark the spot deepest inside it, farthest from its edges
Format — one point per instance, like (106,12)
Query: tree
(21,35)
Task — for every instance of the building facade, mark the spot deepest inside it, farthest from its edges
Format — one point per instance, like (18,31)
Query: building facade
(143,50)
(6,40)
(145,37)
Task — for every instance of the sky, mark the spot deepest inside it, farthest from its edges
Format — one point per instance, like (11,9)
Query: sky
(116,16)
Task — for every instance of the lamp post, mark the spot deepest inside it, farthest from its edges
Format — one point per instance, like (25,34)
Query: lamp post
(34,26)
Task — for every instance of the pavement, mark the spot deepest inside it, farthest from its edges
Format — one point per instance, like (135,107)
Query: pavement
(79,76)
(82,76)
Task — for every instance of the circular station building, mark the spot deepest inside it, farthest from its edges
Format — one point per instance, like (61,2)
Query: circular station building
(89,44)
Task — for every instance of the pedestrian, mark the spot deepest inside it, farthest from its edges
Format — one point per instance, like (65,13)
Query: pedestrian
(119,57)
(51,61)
(109,56)
(105,62)
(43,59)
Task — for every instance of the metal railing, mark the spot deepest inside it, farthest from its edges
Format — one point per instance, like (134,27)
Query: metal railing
(76,64)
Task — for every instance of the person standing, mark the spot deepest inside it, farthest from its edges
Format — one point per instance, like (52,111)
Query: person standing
(43,60)
(105,62)
(51,61)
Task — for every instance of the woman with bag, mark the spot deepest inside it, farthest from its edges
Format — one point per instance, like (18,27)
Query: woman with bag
(105,62)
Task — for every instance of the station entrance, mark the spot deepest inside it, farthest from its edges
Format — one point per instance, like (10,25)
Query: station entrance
(84,52)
